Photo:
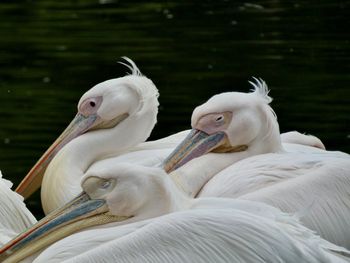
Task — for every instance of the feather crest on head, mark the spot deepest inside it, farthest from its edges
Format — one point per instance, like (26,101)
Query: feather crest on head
(260,89)
(142,85)
(131,65)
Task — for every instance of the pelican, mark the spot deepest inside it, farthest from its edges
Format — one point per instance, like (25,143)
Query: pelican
(113,119)
(14,216)
(118,113)
(242,124)
(146,218)
(238,129)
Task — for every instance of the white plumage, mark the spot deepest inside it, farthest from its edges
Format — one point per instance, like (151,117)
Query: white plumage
(195,230)
(316,185)
(114,118)
(294,178)
(207,230)
(203,235)
(298,138)
(118,113)
(14,216)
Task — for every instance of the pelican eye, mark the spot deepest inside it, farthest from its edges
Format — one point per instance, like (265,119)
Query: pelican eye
(219,118)
(105,184)
(97,187)
(90,105)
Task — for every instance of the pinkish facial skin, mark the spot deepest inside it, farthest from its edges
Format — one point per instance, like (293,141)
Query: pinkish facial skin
(208,135)
(214,122)
(90,106)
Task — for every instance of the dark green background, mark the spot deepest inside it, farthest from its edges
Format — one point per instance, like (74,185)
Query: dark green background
(51,52)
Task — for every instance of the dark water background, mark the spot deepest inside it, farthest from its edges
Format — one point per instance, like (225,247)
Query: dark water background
(51,52)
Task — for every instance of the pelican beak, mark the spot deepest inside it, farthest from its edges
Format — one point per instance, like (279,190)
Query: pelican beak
(78,214)
(194,145)
(33,179)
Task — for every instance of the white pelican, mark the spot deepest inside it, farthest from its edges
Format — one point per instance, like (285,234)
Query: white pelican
(14,216)
(292,177)
(118,113)
(125,198)
(113,118)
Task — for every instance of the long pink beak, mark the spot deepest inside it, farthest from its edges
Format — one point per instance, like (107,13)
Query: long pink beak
(196,144)
(32,181)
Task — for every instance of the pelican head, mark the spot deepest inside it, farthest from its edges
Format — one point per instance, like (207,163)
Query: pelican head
(230,122)
(121,194)
(102,107)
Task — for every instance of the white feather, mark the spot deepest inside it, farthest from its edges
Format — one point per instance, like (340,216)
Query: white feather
(225,231)
(14,216)
(288,176)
